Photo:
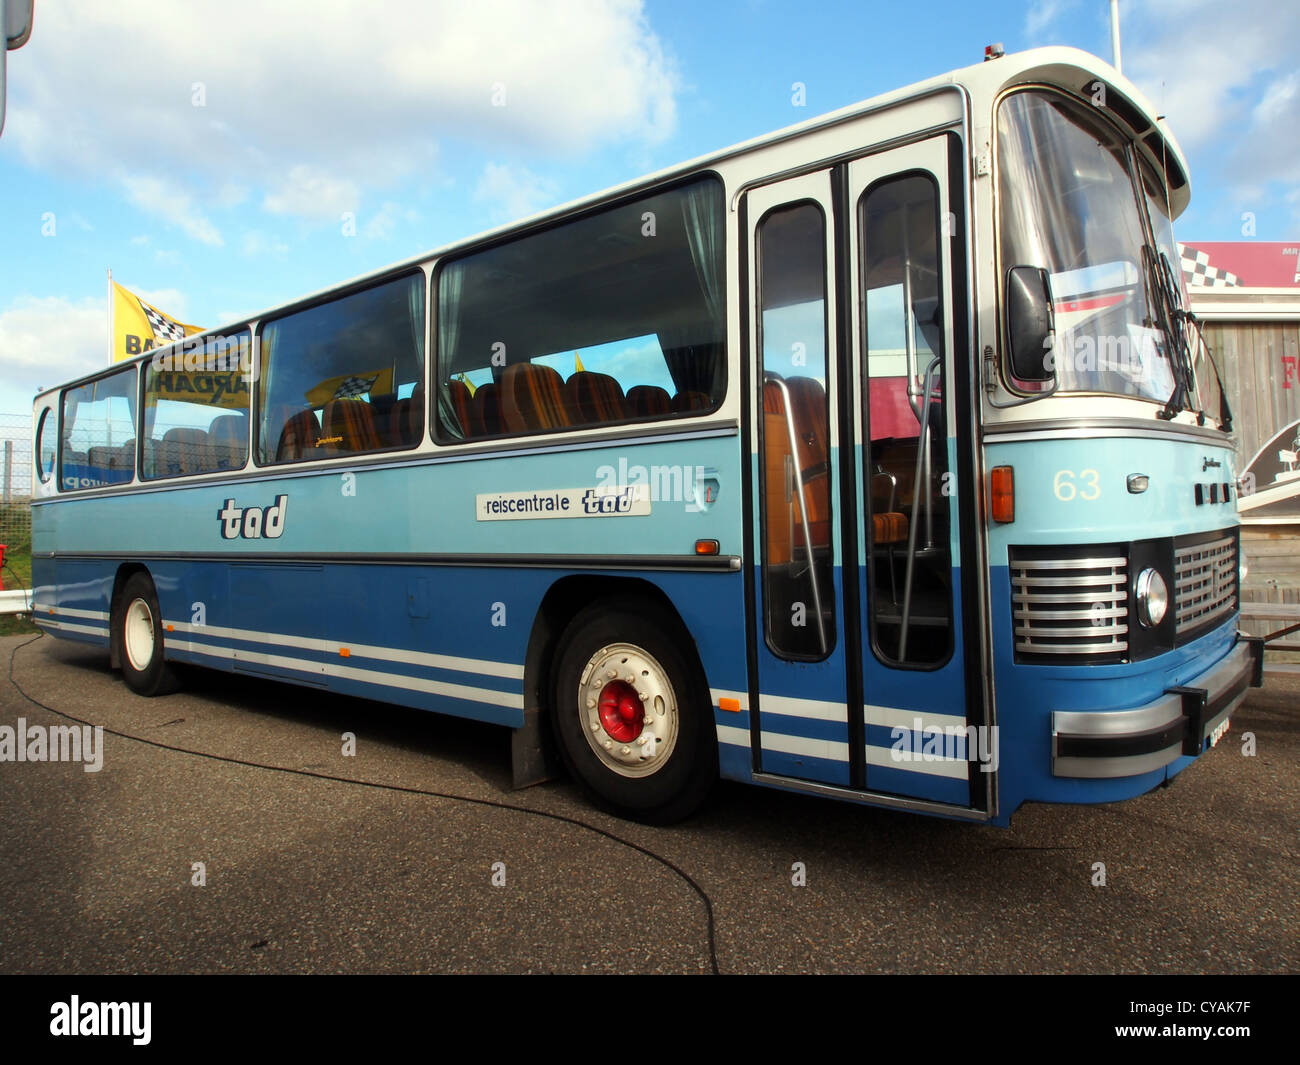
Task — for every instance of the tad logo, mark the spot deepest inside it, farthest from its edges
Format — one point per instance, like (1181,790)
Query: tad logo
(607,502)
(253,523)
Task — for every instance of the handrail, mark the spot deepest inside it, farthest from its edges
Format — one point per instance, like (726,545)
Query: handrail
(775,379)
(922,460)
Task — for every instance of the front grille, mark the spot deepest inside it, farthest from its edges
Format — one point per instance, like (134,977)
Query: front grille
(1070,606)
(1205,582)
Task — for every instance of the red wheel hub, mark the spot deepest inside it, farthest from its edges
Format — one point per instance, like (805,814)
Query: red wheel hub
(621,714)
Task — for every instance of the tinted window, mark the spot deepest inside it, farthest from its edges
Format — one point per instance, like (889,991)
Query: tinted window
(196,401)
(99,433)
(618,316)
(344,377)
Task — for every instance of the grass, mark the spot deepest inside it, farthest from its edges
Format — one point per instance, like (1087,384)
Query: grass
(17,571)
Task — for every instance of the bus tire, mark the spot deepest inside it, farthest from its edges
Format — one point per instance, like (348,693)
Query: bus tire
(632,714)
(140,639)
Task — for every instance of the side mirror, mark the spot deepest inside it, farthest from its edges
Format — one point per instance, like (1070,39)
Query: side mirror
(1030,323)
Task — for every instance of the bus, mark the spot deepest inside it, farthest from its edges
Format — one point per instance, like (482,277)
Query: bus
(877,458)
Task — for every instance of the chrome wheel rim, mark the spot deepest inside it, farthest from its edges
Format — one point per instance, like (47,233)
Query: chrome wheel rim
(138,635)
(628,710)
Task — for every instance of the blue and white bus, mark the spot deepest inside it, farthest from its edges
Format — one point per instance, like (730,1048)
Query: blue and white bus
(876,458)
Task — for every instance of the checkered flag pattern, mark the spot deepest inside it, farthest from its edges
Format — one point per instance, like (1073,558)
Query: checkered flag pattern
(355,386)
(1198,272)
(164,329)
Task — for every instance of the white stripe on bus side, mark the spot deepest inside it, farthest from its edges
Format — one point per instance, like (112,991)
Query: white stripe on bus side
(512,700)
(483,667)
(891,717)
(68,612)
(886,758)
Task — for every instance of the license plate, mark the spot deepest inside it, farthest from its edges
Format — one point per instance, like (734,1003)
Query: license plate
(1218,733)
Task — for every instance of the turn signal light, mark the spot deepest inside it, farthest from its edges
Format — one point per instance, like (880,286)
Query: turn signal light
(706,547)
(1003,495)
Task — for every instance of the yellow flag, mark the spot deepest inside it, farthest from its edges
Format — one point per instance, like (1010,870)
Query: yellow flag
(352,386)
(577,364)
(466,382)
(139,327)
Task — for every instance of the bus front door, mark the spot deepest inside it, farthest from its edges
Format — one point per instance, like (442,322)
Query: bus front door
(861,492)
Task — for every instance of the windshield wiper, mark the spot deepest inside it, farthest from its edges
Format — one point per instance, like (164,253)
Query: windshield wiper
(1187,326)
(1171,320)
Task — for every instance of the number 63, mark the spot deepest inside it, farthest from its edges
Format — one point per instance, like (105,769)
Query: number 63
(1088,489)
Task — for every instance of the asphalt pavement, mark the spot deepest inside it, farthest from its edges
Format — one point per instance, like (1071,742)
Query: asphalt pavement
(227,831)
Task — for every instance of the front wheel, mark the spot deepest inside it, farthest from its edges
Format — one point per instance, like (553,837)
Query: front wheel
(140,639)
(632,714)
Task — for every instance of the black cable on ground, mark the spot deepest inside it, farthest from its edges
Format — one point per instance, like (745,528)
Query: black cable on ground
(562,818)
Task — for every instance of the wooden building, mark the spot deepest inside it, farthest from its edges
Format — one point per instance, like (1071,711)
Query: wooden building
(1247,296)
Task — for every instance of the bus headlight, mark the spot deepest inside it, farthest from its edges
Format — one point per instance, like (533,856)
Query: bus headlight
(1152,598)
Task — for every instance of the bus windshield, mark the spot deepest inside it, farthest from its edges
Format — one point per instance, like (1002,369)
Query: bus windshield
(1068,205)
(1207,395)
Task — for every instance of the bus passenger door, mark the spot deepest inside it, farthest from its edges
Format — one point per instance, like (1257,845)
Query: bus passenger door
(801,727)
(911,371)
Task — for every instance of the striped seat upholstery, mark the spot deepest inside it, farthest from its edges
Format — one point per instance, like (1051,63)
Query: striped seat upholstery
(465,410)
(299,437)
(593,398)
(486,415)
(348,425)
(532,398)
(808,400)
(688,401)
(404,423)
(648,401)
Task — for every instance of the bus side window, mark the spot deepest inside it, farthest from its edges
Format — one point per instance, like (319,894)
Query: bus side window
(99,432)
(797,588)
(908,463)
(587,323)
(196,419)
(344,377)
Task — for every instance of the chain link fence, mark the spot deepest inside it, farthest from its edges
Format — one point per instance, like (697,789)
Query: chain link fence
(16,482)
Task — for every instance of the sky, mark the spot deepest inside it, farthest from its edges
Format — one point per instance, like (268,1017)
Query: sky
(225,156)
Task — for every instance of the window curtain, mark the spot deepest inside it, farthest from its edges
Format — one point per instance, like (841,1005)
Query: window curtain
(451,289)
(693,349)
(415,311)
(270,419)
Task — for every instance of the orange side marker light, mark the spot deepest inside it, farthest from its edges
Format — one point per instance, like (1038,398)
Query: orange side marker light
(1003,494)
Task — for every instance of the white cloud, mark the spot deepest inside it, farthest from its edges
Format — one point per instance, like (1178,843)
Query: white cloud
(513,192)
(48,340)
(1225,76)
(1041,18)
(161,197)
(312,193)
(314,103)
(382,224)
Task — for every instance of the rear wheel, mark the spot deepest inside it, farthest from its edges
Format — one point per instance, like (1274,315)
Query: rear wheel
(140,639)
(632,714)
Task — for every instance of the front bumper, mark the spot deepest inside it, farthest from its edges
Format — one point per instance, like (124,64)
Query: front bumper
(1126,743)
